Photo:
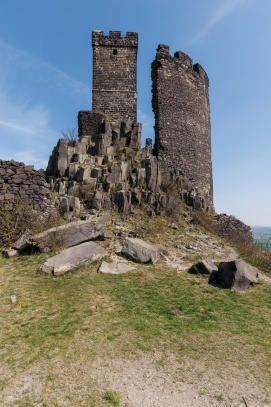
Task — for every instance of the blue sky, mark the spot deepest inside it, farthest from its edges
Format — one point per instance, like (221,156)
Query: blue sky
(46,73)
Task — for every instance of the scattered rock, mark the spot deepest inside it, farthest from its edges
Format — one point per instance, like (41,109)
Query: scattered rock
(174,226)
(13,299)
(114,268)
(205,267)
(235,275)
(22,242)
(140,251)
(9,253)
(192,247)
(72,258)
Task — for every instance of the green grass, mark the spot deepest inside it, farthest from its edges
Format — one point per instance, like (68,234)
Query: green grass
(112,397)
(83,315)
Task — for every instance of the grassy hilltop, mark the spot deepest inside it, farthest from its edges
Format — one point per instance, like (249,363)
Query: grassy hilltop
(68,341)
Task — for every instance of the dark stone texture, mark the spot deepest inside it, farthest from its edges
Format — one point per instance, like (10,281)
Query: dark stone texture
(22,182)
(233,229)
(182,121)
(205,267)
(88,123)
(114,75)
(235,275)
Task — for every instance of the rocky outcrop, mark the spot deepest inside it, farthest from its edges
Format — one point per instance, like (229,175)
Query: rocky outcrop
(110,169)
(233,229)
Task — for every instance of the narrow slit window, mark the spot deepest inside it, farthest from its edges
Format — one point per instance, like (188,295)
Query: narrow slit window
(115,51)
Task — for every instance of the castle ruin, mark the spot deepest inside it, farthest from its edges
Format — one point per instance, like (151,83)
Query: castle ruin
(107,165)
(182,119)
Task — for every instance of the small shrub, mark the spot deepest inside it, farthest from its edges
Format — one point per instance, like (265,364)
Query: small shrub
(112,397)
(70,135)
(18,215)
(15,217)
(204,219)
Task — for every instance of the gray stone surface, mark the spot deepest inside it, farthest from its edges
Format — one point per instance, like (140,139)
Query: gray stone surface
(9,253)
(22,242)
(72,258)
(205,267)
(71,234)
(235,275)
(114,268)
(140,251)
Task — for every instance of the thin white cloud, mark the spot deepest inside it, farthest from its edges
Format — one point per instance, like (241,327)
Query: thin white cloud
(225,8)
(31,157)
(26,85)
(41,69)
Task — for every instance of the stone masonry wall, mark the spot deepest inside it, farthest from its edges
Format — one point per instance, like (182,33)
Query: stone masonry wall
(88,123)
(114,75)
(182,120)
(19,181)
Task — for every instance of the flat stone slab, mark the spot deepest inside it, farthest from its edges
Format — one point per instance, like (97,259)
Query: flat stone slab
(140,251)
(68,235)
(72,258)
(114,268)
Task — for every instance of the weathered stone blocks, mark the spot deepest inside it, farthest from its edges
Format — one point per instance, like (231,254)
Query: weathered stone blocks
(182,121)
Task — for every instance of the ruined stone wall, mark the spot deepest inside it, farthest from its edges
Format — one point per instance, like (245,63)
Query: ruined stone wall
(19,181)
(114,75)
(182,120)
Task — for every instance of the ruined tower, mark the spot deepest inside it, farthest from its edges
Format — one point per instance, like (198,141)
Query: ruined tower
(114,91)
(182,120)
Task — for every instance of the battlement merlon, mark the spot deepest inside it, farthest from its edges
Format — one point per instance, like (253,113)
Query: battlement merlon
(182,58)
(114,39)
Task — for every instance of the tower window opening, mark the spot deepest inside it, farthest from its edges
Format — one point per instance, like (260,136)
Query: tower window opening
(115,52)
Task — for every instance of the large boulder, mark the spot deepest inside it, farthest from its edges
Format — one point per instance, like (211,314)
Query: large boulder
(67,235)
(140,251)
(235,275)
(72,258)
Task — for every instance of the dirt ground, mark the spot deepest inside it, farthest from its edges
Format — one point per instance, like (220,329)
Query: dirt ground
(145,381)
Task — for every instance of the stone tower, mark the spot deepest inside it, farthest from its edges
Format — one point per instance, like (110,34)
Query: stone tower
(114,91)
(181,107)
